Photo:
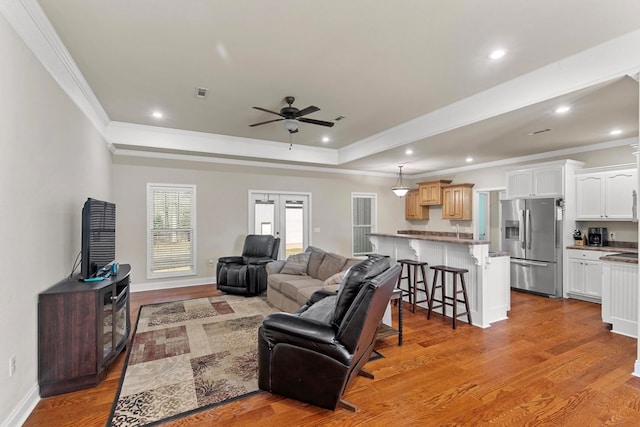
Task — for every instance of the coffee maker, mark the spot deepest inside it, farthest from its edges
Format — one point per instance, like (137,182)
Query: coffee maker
(597,236)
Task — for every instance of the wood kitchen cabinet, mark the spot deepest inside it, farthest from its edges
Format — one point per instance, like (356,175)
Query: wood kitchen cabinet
(430,192)
(456,201)
(413,210)
(606,195)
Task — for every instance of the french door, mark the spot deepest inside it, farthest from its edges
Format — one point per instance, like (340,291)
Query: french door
(283,215)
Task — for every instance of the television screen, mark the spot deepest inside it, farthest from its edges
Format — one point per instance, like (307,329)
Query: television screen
(98,236)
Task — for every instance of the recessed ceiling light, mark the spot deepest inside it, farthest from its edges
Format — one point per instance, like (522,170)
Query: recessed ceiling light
(325,139)
(469,159)
(157,114)
(615,132)
(563,109)
(497,54)
(408,151)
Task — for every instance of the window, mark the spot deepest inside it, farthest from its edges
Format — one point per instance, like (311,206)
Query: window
(171,227)
(363,222)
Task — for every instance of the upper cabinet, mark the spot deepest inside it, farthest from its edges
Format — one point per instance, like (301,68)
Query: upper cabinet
(456,201)
(413,210)
(430,192)
(536,182)
(606,194)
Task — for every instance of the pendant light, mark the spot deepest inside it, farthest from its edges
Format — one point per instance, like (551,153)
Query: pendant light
(399,189)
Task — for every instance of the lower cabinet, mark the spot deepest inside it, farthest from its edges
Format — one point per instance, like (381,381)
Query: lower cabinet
(620,297)
(585,274)
(82,327)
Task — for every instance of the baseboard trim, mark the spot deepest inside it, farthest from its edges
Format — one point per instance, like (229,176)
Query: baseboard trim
(156,286)
(21,412)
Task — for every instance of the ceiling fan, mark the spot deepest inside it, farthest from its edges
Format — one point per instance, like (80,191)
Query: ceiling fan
(292,116)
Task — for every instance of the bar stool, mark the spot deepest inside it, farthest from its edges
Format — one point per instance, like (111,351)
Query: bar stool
(412,281)
(449,300)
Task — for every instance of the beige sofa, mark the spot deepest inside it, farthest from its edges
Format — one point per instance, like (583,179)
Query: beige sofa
(290,283)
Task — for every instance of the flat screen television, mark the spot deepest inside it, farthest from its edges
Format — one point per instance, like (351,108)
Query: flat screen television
(98,236)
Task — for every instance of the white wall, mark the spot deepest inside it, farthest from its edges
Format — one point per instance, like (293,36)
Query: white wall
(52,160)
(222,207)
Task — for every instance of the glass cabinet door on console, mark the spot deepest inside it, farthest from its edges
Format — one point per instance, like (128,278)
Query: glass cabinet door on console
(82,327)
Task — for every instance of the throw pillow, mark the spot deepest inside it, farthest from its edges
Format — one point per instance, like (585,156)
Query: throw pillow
(336,279)
(296,264)
(331,264)
(322,311)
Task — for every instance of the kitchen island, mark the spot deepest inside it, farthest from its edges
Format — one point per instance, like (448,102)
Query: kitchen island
(488,281)
(620,293)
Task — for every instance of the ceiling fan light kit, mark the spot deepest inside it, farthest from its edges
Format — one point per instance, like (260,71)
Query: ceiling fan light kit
(292,116)
(400,189)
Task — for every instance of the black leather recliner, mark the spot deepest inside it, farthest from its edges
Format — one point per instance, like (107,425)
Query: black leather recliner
(314,354)
(246,274)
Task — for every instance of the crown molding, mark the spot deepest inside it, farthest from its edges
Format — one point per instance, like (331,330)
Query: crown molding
(533,157)
(29,21)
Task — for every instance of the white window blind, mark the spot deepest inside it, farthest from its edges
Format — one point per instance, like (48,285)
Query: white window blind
(363,222)
(171,226)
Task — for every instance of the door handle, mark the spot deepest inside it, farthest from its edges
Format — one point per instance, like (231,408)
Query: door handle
(529,263)
(528,229)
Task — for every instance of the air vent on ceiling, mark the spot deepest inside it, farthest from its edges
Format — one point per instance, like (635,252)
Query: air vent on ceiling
(536,132)
(337,119)
(201,92)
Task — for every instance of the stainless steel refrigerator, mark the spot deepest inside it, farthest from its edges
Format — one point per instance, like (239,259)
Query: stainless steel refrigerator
(531,233)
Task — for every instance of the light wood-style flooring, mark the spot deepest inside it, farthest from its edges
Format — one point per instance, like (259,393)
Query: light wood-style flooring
(552,363)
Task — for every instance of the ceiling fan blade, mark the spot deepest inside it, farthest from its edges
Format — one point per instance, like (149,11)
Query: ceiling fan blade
(316,122)
(264,123)
(310,109)
(268,111)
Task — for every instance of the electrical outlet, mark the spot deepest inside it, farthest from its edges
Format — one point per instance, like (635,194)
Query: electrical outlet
(211,264)
(12,365)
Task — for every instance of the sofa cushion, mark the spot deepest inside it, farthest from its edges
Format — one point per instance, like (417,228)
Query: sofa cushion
(315,259)
(296,264)
(336,279)
(291,288)
(331,264)
(275,281)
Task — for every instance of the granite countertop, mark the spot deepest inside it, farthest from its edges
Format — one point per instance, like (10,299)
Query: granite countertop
(623,248)
(617,258)
(495,254)
(435,236)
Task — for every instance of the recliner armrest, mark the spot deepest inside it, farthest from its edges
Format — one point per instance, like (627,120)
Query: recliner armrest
(231,260)
(297,326)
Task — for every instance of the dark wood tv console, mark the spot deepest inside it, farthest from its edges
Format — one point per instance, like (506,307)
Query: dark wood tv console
(82,327)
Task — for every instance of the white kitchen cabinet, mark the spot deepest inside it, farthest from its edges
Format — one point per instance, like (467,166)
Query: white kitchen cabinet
(620,297)
(536,182)
(606,195)
(585,274)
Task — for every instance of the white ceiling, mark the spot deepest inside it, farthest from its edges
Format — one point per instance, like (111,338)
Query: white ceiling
(405,74)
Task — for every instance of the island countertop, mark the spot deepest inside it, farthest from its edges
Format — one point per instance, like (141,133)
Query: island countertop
(435,236)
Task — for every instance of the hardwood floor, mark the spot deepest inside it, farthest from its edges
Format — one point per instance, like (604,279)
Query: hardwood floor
(552,363)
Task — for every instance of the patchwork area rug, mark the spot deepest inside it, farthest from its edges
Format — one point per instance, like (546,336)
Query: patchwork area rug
(187,356)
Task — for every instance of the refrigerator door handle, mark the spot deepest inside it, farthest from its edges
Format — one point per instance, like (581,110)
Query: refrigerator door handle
(528,228)
(521,230)
(530,263)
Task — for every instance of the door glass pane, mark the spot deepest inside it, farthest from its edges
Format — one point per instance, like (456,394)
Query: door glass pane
(264,216)
(294,226)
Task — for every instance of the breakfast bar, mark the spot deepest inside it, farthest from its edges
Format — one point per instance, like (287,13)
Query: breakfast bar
(488,282)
